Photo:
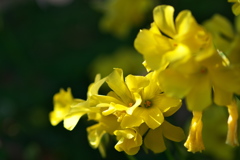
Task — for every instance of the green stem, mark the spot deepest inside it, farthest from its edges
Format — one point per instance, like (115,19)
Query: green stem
(130,157)
(169,155)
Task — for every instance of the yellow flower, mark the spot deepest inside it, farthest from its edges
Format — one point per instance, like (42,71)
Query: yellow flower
(188,63)
(129,141)
(196,81)
(62,104)
(169,41)
(194,141)
(235,7)
(137,100)
(77,110)
(122,15)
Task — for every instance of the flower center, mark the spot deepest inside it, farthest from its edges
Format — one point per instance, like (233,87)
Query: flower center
(147,104)
(203,70)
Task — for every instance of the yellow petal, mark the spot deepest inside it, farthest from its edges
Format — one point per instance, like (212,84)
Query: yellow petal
(154,140)
(94,87)
(112,108)
(226,78)
(71,121)
(184,21)
(172,132)
(176,84)
(138,101)
(180,53)
(194,142)
(116,83)
(232,136)
(163,16)
(130,121)
(153,88)
(152,116)
(95,134)
(56,117)
(221,97)
(168,105)
(152,46)
(200,96)
(220,24)
(106,99)
(109,123)
(129,141)
(136,83)
(236,9)
(155,29)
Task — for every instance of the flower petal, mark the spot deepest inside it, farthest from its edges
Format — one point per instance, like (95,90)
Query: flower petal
(116,83)
(94,87)
(152,46)
(95,134)
(176,84)
(236,9)
(152,116)
(184,21)
(200,96)
(130,121)
(226,78)
(163,17)
(129,141)
(221,97)
(136,83)
(167,105)
(154,140)
(172,132)
(71,121)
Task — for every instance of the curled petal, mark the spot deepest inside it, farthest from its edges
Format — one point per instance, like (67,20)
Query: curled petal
(236,9)
(95,134)
(163,17)
(136,83)
(232,124)
(116,83)
(129,141)
(194,141)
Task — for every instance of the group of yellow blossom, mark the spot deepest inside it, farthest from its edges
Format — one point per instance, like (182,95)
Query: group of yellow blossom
(184,60)
(133,111)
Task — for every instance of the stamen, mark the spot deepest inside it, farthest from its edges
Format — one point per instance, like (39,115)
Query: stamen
(130,104)
(147,104)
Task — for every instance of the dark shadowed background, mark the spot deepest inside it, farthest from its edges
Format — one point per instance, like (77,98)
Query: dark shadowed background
(46,45)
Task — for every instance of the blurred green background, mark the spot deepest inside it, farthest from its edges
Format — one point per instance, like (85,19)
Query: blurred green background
(47,46)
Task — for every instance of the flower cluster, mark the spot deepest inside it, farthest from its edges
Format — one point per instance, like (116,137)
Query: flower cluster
(185,61)
(133,111)
(194,63)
